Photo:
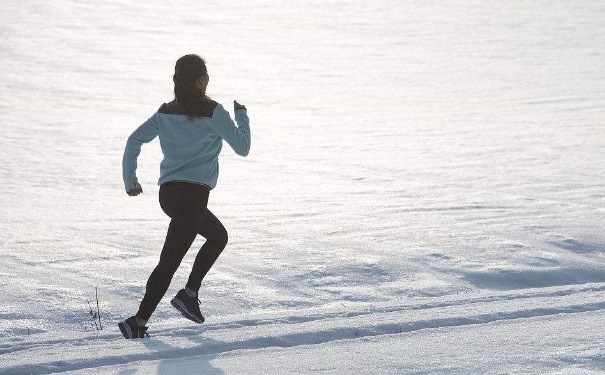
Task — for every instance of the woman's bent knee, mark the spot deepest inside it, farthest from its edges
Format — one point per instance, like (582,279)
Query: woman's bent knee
(220,239)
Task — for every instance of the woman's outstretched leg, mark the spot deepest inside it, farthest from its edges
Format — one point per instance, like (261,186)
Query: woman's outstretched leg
(186,205)
(181,234)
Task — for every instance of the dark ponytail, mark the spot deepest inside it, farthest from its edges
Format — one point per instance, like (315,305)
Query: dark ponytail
(187,96)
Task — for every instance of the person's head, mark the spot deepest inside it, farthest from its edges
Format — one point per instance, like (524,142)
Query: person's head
(190,82)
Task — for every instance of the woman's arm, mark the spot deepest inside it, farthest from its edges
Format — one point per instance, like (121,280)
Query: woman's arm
(238,137)
(144,134)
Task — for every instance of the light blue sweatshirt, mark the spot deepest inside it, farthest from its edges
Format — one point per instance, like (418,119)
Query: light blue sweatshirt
(190,148)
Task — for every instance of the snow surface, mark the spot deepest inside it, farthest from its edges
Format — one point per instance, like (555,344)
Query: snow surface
(424,193)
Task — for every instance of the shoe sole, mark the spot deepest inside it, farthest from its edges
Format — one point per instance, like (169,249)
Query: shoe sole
(177,304)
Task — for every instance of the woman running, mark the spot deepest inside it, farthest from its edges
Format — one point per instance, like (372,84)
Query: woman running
(191,129)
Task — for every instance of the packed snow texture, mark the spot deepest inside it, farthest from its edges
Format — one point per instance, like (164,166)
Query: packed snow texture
(425,192)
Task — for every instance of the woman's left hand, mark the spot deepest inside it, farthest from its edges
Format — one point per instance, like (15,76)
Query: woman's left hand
(134,192)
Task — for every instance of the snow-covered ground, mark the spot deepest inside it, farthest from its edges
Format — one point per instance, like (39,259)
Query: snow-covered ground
(425,192)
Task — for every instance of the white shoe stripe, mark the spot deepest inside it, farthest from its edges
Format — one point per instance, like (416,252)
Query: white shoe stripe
(181,307)
(127,329)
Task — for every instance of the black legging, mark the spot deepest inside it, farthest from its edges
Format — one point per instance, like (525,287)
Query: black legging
(186,204)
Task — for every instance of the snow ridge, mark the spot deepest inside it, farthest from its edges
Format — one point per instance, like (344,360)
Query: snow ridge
(41,355)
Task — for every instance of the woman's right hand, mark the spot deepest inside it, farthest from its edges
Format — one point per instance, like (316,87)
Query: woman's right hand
(236,105)
(134,192)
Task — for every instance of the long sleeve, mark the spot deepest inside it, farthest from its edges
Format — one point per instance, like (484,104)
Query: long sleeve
(238,137)
(144,134)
